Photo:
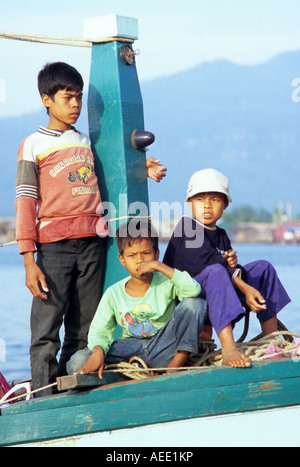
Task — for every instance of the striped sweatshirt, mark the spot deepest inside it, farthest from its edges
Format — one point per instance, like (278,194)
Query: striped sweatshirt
(57,193)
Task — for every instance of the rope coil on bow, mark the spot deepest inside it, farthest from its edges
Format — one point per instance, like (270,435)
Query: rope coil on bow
(209,357)
(137,369)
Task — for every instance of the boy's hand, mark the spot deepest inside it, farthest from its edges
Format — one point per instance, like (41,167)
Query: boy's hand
(94,363)
(155,170)
(35,277)
(255,300)
(148,267)
(231,256)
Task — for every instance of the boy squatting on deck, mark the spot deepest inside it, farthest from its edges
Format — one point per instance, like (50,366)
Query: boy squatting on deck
(204,250)
(55,173)
(154,326)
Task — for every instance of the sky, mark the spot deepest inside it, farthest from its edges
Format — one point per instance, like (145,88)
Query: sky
(174,35)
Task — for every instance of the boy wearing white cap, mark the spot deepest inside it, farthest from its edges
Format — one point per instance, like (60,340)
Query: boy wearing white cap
(204,250)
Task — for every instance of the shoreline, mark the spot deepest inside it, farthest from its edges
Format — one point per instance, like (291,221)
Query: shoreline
(244,232)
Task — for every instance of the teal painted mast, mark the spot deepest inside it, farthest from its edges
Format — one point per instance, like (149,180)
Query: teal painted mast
(115,110)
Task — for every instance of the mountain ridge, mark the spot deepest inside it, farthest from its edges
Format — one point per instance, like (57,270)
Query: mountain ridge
(239,119)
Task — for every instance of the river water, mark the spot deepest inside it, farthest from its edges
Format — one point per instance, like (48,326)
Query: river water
(15,303)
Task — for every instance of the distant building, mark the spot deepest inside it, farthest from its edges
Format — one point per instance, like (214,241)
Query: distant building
(287,232)
(7,229)
(253,232)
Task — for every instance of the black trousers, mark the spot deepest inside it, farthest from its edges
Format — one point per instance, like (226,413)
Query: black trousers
(74,271)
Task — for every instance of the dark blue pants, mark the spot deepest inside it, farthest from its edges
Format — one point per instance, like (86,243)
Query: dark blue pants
(74,275)
(225,302)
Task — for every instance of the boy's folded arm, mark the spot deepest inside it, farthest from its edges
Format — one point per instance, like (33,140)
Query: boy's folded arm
(185,285)
(162,268)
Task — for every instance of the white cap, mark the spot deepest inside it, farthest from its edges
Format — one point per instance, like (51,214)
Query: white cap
(208,180)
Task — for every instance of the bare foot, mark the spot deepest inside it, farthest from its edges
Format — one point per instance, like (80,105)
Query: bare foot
(234,358)
(231,355)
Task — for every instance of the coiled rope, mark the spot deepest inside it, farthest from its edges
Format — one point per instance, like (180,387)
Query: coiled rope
(255,349)
(207,356)
(137,369)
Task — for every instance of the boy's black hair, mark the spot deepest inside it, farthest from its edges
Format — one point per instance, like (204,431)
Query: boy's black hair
(136,230)
(58,76)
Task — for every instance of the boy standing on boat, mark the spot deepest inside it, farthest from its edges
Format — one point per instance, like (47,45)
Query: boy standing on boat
(56,203)
(154,327)
(204,250)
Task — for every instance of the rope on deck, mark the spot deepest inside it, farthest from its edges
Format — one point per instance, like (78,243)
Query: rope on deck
(255,350)
(137,369)
(21,396)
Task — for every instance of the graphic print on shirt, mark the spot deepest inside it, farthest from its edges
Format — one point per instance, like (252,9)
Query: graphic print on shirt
(83,174)
(138,321)
(80,176)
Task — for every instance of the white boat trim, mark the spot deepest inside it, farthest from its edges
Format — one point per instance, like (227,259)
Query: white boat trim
(264,428)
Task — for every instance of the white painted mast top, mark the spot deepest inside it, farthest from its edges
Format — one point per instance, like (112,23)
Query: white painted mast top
(108,26)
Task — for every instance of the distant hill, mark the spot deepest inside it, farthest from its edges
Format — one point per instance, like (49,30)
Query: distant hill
(240,120)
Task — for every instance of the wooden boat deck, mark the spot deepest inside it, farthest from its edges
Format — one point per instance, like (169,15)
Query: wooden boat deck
(180,396)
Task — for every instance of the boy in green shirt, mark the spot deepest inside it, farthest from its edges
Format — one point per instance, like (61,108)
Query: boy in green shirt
(154,327)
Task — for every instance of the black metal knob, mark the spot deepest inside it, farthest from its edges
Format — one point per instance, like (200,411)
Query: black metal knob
(141,139)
